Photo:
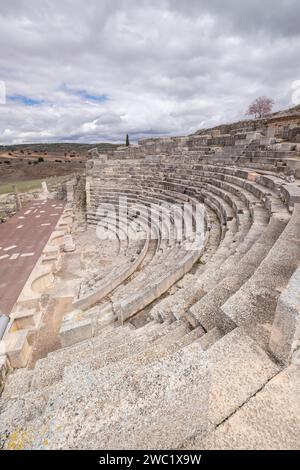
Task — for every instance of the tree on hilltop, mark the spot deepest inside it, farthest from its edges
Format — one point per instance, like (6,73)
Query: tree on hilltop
(260,107)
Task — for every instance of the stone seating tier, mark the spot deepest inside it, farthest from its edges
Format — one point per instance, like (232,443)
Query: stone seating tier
(187,349)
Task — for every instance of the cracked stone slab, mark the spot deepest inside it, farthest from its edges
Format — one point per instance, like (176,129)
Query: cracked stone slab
(269,420)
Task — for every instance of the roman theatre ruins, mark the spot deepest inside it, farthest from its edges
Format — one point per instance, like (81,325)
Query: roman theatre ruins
(163,309)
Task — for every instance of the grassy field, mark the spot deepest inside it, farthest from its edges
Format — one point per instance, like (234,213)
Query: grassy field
(25,186)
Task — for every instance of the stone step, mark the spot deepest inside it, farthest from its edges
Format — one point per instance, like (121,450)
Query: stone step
(170,338)
(207,311)
(268,421)
(49,370)
(198,389)
(210,338)
(17,384)
(253,305)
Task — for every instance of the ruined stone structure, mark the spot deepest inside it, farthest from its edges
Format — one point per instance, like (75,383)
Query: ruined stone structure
(162,345)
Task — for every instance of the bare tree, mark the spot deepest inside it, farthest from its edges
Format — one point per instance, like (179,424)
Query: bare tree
(260,107)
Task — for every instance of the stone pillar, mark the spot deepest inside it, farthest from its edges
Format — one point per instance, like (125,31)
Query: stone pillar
(69,245)
(70,192)
(17,197)
(44,187)
(88,194)
(45,192)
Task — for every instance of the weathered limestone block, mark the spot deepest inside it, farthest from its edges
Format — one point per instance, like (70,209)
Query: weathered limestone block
(26,319)
(294,166)
(69,245)
(269,420)
(70,192)
(17,348)
(74,332)
(45,192)
(285,336)
(4,369)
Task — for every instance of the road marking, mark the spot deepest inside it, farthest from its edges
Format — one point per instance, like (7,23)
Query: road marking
(9,247)
(37,216)
(27,212)
(20,226)
(21,217)
(4,256)
(14,256)
(45,225)
(26,254)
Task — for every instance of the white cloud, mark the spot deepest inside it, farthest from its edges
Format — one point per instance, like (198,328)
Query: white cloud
(166,67)
(296,92)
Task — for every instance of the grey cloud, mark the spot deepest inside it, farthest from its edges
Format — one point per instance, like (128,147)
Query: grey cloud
(167,67)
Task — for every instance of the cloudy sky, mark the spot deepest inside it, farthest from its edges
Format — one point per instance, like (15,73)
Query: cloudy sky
(93,70)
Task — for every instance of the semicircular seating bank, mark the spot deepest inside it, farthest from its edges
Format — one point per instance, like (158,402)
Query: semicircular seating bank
(190,339)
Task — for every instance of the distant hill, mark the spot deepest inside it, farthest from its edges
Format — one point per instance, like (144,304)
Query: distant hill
(58,147)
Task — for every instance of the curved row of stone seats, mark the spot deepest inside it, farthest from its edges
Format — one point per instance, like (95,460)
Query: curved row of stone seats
(139,206)
(207,310)
(221,263)
(94,383)
(140,215)
(114,344)
(273,165)
(161,234)
(256,189)
(171,378)
(177,190)
(223,212)
(223,204)
(285,333)
(154,203)
(234,271)
(266,195)
(162,279)
(192,168)
(241,211)
(192,171)
(224,215)
(125,230)
(107,349)
(148,200)
(125,265)
(253,306)
(132,242)
(155,279)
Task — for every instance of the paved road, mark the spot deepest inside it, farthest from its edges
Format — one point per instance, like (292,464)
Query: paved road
(22,239)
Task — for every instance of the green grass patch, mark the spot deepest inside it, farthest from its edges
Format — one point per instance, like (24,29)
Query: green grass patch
(29,185)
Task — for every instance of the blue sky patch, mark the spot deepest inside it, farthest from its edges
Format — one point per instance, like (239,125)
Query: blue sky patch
(25,100)
(84,94)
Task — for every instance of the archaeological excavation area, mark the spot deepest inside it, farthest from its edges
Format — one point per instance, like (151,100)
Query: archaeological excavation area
(161,310)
